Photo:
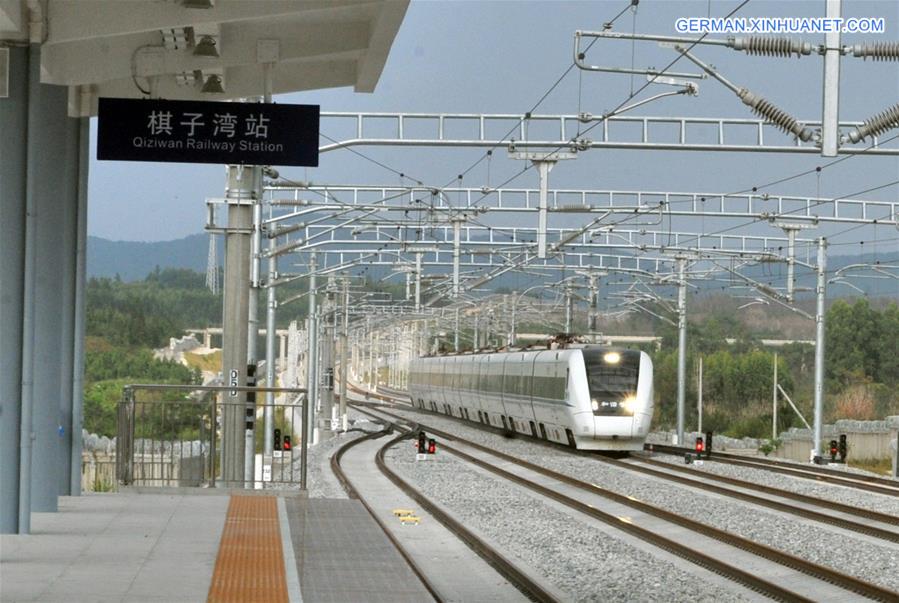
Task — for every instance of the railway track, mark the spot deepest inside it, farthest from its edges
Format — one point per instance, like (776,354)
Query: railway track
(527,585)
(847,517)
(821,474)
(700,480)
(807,575)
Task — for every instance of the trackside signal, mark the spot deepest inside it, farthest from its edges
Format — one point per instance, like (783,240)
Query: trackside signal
(286,446)
(432,446)
(276,441)
(251,396)
(833,451)
(843,448)
(708,444)
(422,442)
(699,445)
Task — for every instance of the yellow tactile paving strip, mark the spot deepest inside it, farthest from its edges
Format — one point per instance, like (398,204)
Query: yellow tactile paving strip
(250,562)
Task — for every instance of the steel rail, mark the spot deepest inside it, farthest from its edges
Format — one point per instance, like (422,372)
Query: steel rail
(829,504)
(809,514)
(504,566)
(814,469)
(861,482)
(814,570)
(683,551)
(351,491)
(766,502)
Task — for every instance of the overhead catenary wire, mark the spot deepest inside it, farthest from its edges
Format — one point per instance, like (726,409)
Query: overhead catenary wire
(754,188)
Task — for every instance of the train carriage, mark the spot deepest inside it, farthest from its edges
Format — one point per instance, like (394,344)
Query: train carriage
(589,397)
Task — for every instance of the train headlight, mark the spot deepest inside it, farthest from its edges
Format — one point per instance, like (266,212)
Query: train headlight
(612,357)
(630,403)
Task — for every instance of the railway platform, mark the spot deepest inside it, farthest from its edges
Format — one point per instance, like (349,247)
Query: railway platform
(204,545)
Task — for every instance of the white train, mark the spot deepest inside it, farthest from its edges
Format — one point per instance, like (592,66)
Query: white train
(590,397)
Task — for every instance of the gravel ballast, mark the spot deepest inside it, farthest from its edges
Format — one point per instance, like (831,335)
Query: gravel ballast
(320,480)
(855,556)
(844,495)
(578,558)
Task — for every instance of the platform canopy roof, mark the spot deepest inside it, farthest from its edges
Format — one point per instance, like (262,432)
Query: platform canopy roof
(202,49)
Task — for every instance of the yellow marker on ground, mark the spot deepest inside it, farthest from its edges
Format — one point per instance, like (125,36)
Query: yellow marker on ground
(403,512)
(410,520)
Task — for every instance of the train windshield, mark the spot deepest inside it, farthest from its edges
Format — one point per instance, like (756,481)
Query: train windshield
(612,378)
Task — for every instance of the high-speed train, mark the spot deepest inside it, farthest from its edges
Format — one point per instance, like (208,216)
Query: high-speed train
(589,397)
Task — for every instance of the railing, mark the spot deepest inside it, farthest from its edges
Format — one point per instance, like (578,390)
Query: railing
(175,435)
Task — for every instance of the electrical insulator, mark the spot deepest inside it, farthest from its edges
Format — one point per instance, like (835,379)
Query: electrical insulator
(843,448)
(778,117)
(878,124)
(833,451)
(770,46)
(879,51)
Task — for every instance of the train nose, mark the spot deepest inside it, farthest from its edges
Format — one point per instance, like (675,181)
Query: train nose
(608,427)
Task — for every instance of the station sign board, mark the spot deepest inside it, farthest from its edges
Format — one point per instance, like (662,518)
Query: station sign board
(208,132)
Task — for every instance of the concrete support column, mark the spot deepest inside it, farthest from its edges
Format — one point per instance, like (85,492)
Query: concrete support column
(13,169)
(65,246)
(240,193)
(820,316)
(681,347)
(80,310)
(51,187)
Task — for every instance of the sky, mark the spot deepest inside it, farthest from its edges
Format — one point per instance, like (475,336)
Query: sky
(502,57)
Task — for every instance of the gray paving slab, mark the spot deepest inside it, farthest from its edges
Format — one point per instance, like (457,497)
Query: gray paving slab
(116,547)
(342,555)
(456,572)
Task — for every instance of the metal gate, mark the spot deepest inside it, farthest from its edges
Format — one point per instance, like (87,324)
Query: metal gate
(172,435)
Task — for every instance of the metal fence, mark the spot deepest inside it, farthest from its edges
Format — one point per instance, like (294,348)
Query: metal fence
(172,435)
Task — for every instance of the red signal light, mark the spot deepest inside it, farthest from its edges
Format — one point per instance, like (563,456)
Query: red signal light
(286,446)
(432,446)
(699,444)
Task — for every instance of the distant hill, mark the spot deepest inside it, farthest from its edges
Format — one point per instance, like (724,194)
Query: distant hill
(133,260)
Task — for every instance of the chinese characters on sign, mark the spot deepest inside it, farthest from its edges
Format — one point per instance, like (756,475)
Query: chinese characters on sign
(208,132)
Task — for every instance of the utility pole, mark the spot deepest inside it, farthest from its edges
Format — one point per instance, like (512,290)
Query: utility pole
(681,346)
(830,112)
(456,330)
(544,163)
(457,232)
(270,369)
(699,398)
(512,334)
(774,397)
(820,292)
(477,335)
(344,356)
(312,354)
(594,306)
(417,281)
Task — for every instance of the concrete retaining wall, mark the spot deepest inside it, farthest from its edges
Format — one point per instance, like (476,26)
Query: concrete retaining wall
(866,439)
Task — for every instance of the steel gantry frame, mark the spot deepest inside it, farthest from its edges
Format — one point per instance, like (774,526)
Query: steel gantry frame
(474,130)
(514,246)
(364,233)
